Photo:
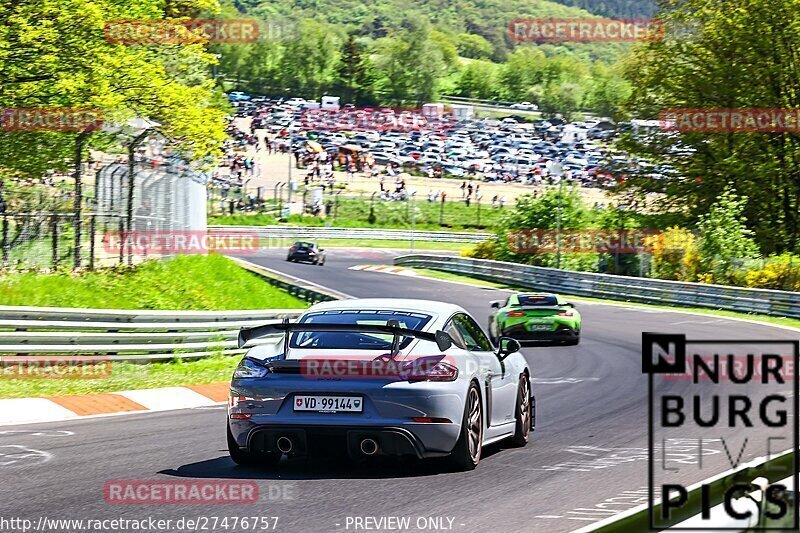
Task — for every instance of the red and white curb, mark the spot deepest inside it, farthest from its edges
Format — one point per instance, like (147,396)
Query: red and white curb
(15,411)
(386,269)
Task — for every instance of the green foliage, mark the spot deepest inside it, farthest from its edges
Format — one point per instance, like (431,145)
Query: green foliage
(724,236)
(190,282)
(716,55)
(482,250)
(355,76)
(355,213)
(55,54)
(473,46)
(540,213)
(675,255)
(478,79)
(780,272)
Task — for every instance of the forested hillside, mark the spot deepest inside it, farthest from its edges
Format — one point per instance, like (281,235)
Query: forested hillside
(615,8)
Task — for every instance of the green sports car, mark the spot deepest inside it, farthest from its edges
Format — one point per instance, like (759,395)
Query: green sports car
(536,318)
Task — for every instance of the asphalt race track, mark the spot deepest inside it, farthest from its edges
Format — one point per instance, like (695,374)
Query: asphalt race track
(587,458)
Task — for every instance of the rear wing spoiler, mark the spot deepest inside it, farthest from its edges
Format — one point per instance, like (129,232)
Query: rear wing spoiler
(538,307)
(442,339)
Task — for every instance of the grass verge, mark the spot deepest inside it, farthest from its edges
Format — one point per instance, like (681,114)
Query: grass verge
(128,376)
(355,213)
(187,282)
(183,283)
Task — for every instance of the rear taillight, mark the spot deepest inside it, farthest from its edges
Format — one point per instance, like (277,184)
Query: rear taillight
(565,313)
(422,370)
(293,248)
(515,313)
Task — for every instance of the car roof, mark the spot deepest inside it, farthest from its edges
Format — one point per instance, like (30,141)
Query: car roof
(428,307)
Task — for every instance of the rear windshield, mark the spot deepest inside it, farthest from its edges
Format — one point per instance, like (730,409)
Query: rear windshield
(304,244)
(355,340)
(545,301)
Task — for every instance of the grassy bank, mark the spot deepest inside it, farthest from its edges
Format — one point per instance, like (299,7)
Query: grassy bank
(188,282)
(355,213)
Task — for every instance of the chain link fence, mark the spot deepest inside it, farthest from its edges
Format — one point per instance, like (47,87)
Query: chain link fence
(165,195)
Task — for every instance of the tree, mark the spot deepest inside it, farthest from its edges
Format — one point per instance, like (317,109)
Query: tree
(724,236)
(473,46)
(714,55)
(354,77)
(523,69)
(411,64)
(531,214)
(675,254)
(561,99)
(309,59)
(55,54)
(478,79)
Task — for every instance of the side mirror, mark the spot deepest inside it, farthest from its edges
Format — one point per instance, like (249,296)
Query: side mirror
(496,304)
(568,304)
(506,346)
(443,340)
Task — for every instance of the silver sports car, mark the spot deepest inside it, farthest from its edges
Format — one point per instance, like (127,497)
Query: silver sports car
(378,377)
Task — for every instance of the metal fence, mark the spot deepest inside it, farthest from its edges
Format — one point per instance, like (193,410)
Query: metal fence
(144,336)
(645,290)
(164,195)
(128,335)
(266,233)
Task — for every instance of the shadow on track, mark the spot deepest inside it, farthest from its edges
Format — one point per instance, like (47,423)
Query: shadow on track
(321,468)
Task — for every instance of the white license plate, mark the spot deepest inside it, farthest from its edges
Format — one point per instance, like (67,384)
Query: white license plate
(329,404)
(540,327)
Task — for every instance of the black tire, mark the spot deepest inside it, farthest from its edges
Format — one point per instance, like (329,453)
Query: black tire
(243,458)
(572,342)
(522,413)
(467,452)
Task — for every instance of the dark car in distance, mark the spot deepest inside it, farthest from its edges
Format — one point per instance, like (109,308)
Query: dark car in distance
(306,251)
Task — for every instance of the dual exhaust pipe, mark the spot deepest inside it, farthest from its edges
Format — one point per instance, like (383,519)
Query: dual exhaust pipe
(284,444)
(368,446)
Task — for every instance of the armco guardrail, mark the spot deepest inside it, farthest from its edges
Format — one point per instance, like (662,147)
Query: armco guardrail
(144,336)
(645,290)
(127,335)
(265,233)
